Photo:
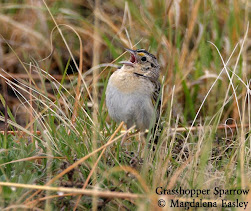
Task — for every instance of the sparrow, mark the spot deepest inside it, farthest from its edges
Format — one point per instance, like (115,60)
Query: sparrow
(132,93)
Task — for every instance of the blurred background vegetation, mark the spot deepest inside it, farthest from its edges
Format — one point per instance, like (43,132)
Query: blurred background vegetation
(176,31)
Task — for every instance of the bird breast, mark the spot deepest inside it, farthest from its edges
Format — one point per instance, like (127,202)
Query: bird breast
(128,99)
(128,82)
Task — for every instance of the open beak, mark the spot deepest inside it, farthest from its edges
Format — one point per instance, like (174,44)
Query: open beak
(132,60)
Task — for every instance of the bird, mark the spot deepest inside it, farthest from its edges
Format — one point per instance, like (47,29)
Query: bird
(133,91)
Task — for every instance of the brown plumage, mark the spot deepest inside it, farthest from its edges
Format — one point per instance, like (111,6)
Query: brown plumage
(132,93)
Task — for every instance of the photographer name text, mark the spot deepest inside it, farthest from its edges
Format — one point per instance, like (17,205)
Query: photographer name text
(199,193)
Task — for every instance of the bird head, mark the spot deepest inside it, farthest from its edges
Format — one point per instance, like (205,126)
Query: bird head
(142,59)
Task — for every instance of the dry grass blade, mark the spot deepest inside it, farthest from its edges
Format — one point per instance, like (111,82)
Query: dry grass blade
(190,29)
(55,59)
(31,105)
(105,194)
(220,127)
(95,62)
(31,158)
(105,18)
(22,129)
(34,76)
(178,129)
(94,167)
(25,29)
(21,132)
(80,68)
(195,118)
(175,177)
(34,202)
(74,165)
(133,172)
(21,207)
(5,112)
(45,103)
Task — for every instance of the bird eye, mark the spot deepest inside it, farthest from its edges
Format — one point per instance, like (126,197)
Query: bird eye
(143,59)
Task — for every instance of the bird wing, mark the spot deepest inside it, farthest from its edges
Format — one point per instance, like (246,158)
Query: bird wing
(156,101)
(156,98)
